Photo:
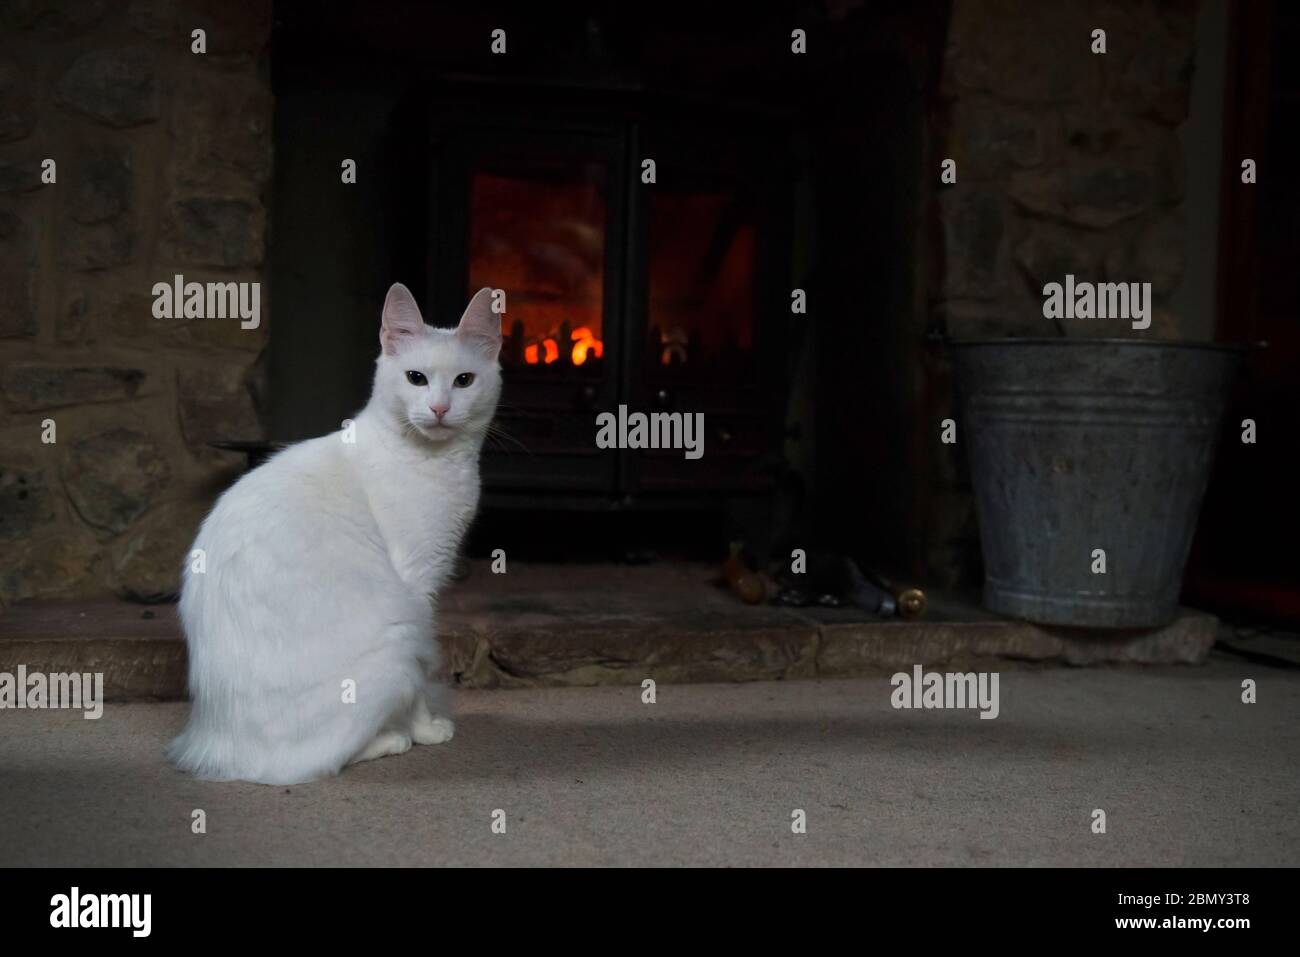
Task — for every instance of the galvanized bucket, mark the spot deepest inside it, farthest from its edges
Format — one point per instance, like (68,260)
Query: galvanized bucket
(1089,459)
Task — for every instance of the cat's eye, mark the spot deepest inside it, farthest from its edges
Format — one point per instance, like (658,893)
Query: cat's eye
(463,380)
(416,378)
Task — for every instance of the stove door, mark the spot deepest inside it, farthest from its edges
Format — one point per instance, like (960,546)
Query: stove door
(706,311)
(540,215)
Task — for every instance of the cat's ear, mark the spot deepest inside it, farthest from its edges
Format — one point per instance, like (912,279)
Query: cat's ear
(401,318)
(480,327)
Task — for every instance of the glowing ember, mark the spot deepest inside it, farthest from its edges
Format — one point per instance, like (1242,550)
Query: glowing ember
(548,350)
(584,342)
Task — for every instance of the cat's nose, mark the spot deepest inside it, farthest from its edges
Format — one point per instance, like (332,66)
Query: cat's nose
(439,410)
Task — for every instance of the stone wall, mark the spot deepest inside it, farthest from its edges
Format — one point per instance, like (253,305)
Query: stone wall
(162,161)
(1068,161)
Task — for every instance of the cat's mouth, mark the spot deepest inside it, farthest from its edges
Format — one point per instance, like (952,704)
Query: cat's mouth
(435,430)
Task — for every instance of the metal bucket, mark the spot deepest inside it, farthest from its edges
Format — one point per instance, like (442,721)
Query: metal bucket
(1087,444)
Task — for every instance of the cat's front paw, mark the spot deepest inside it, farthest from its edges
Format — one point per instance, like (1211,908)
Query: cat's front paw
(384,744)
(427,729)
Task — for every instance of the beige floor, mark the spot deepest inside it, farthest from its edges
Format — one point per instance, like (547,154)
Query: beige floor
(711,774)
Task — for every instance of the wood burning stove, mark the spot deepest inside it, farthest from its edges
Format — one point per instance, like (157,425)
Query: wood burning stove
(643,246)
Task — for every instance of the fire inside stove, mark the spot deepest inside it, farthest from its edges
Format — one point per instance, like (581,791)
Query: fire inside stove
(539,233)
(548,350)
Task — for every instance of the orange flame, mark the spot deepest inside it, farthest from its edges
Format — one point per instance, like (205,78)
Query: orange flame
(548,350)
(584,342)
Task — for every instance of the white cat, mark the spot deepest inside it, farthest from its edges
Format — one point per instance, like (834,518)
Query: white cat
(311,627)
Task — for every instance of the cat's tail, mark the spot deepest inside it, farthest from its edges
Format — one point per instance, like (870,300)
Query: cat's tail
(193,751)
(238,738)
(213,756)
(207,748)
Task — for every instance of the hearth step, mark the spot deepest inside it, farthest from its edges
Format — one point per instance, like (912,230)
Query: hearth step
(534,628)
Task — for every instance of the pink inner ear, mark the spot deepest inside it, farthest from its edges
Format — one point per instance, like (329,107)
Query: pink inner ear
(401,317)
(479,322)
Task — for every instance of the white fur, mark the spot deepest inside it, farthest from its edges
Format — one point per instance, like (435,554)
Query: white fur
(323,566)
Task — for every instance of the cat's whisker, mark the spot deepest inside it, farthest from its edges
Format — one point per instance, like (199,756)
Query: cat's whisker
(498,433)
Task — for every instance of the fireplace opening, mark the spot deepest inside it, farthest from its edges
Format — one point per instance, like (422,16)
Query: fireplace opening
(721,230)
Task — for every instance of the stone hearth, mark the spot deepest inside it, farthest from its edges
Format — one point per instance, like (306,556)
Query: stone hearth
(668,622)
